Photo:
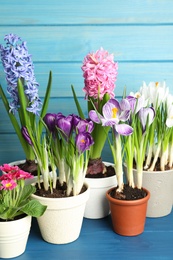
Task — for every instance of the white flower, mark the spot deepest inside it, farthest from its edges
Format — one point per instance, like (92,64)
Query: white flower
(169,106)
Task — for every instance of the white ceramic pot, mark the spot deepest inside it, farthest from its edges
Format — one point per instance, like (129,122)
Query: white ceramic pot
(62,221)
(160,185)
(98,206)
(14,237)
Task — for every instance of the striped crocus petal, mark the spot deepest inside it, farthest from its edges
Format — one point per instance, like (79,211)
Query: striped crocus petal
(146,116)
(124,129)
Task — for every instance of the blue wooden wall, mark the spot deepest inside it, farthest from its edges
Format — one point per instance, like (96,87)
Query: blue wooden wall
(59,33)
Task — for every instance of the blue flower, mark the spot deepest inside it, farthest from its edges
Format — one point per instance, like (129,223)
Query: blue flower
(17,64)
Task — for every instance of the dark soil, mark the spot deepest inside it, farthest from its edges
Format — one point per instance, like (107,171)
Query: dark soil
(128,193)
(157,166)
(15,218)
(29,166)
(109,171)
(59,192)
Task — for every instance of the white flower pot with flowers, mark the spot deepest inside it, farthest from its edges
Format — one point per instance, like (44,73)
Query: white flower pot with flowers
(155,161)
(23,92)
(99,72)
(64,146)
(16,210)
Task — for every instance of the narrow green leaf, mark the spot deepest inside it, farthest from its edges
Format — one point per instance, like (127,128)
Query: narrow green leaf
(23,113)
(80,112)
(15,123)
(46,101)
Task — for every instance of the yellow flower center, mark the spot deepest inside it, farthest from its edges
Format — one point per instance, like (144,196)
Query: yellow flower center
(157,83)
(137,95)
(8,185)
(82,141)
(114,112)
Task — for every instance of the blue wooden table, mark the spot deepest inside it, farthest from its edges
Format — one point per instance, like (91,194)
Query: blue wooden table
(98,241)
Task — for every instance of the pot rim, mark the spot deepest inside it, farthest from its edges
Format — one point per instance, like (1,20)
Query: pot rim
(127,202)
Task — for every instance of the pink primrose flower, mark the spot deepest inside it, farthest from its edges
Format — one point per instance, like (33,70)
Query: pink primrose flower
(8,184)
(8,169)
(23,175)
(100,73)
(14,172)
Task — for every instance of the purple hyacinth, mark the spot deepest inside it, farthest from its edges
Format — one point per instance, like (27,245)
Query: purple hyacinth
(17,64)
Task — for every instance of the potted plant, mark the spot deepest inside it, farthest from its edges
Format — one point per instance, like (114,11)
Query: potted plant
(16,209)
(99,72)
(64,146)
(128,203)
(157,160)
(25,104)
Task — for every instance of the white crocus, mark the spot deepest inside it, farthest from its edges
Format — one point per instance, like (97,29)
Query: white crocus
(158,93)
(169,105)
(169,124)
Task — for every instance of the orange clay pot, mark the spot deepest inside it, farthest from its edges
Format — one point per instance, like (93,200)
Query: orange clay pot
(128,217)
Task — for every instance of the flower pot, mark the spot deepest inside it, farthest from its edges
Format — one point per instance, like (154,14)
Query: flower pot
(14,236)
(97,205)
(128,217)
(62,221)
(160,185)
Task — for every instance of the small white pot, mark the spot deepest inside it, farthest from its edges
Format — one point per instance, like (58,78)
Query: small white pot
(62,221)
(160,185)
(98,206)
(14,237)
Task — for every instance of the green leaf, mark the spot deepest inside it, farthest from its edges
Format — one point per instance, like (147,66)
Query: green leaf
(23,113)
(17,128)
(27,191)
(45,102)
(34,208)
(80,112)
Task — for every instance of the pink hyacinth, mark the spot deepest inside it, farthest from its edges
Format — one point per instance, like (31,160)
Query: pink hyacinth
(99,72)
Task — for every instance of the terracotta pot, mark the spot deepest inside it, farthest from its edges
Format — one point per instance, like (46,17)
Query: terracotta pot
(128,217)
(97,205)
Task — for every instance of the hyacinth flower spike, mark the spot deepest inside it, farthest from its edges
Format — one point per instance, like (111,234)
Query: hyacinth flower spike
(100,73)
(22,88)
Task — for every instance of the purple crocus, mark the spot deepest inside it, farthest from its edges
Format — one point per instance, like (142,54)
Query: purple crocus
(84,141)
(26,135)
(114,112)
(65,124)
(146,116)
(84,125)
(49,120)
(135,103)
(17,64)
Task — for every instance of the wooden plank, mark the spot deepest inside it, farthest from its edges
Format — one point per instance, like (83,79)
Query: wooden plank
(41,12)
(63,105)
(11,150)
(103,243)
(72,43)
(130,74)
